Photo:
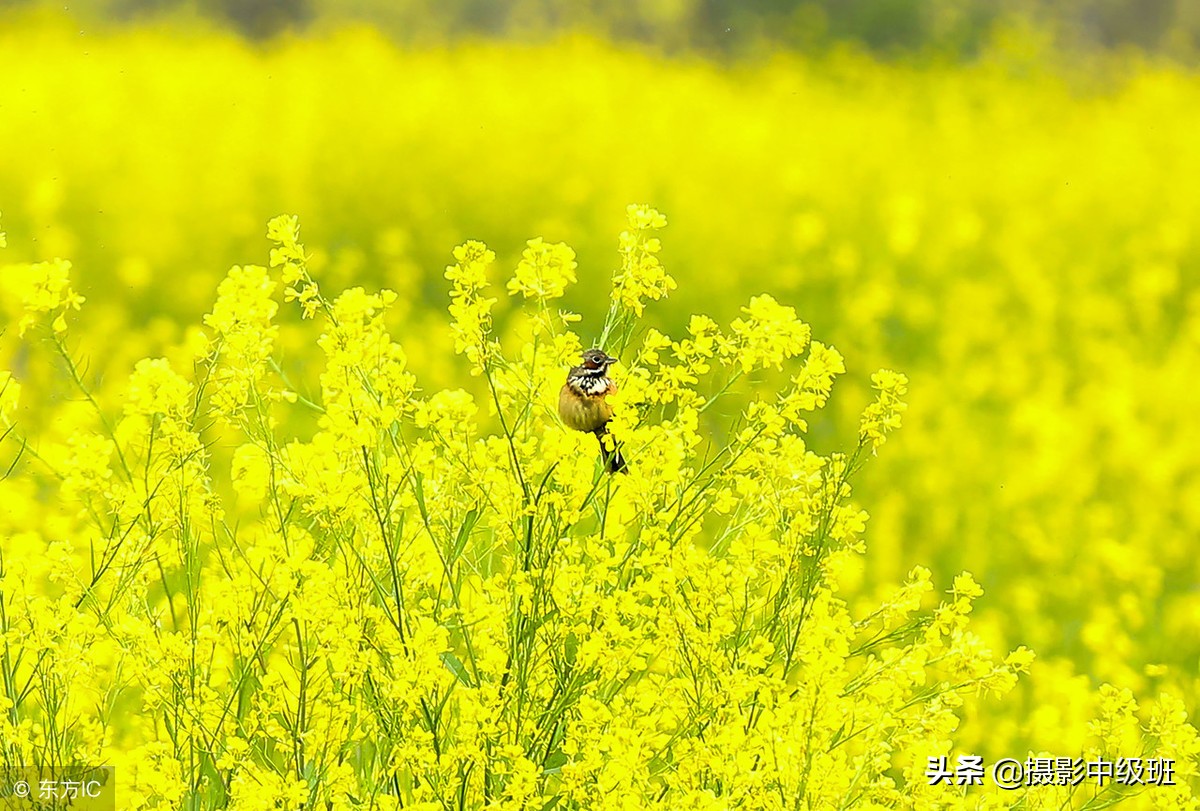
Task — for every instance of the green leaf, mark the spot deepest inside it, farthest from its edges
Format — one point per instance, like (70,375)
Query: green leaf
(451,661)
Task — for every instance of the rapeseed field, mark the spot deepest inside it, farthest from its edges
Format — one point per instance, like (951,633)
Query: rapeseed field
(908,362)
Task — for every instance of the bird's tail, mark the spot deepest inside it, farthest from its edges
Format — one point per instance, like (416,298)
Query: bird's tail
(610,451)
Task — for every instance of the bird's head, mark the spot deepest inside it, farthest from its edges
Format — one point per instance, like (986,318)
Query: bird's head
(597,359)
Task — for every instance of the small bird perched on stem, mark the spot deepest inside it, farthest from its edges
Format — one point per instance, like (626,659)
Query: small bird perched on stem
(583,407)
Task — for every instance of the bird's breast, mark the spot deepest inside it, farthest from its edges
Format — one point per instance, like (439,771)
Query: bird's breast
(583,412)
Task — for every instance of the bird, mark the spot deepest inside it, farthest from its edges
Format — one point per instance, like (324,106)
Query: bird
(583,407)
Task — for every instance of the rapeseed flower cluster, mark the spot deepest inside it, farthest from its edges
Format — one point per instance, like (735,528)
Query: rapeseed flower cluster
(544,271)
(422,599)
(43,289)
(883,415)
(641,275)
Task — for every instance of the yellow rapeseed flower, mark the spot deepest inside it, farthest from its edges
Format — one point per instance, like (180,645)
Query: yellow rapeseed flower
(544,271)
(42,288)
(642,275)
(883,415)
